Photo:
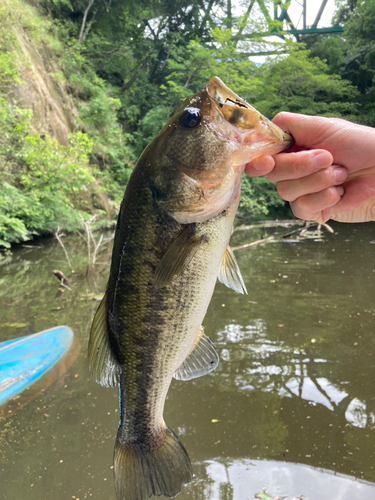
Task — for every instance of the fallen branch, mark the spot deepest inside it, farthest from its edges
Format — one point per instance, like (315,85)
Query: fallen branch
(329,229)
(253,243)
(57,235)
(306,226)
(60,276)
(63,279)
(272,223)
(90,240)
(97,245)
(66,286)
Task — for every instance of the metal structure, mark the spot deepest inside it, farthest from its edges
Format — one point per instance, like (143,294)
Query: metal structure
(281,15)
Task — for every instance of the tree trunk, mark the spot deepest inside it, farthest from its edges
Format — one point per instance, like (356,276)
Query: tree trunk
(83,33)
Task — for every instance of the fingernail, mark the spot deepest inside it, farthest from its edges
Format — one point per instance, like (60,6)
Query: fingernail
(340,174)
(340,190)
(321,160)
(262,164)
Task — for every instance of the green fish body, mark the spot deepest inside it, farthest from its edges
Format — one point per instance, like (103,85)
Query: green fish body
(171,244)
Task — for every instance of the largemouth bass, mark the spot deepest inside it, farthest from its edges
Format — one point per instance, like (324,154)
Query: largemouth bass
(171,244)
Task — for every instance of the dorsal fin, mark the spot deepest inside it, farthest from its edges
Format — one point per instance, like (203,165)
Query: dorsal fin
(103,366)
(202,359)
(229,272)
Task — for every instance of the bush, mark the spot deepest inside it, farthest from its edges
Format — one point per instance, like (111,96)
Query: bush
(39,178)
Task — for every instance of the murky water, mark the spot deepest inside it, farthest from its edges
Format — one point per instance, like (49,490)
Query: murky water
(290,408)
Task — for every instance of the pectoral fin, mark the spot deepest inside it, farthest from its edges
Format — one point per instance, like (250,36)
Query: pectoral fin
(202,359)
(229,272)
(177,257)
(103,366)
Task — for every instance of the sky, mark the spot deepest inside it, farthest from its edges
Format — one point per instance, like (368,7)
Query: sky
(295,12)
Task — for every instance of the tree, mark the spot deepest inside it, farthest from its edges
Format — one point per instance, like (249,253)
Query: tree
(301,84)
(359,63)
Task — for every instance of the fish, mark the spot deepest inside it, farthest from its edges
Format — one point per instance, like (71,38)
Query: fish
(171,244)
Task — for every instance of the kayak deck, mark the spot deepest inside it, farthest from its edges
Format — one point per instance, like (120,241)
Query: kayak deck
(24,360)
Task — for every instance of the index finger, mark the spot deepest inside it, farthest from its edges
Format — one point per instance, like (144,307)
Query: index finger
(307,131)
(289,166)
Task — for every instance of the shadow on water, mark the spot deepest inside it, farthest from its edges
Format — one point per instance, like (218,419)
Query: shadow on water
(290,408)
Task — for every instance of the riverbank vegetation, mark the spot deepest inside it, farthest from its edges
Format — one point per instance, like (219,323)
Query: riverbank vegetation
(115,71)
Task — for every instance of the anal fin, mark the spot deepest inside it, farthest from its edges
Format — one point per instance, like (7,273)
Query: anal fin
(229,272)
(103,366)
(202,359)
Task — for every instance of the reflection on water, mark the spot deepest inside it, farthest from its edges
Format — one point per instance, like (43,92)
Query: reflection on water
(243,479)
(291,406)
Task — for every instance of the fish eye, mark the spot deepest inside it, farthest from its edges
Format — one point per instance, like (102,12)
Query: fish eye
(190,118)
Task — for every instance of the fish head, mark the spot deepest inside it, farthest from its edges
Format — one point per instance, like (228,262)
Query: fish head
(206,146)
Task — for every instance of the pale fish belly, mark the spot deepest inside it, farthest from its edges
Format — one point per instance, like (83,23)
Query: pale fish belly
(192,292)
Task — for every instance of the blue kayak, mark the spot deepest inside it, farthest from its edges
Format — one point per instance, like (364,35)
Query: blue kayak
(23,361)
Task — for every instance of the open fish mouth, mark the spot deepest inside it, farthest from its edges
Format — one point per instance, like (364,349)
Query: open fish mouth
(255,133)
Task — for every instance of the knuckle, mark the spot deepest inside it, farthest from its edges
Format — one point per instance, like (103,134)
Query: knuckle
(302,164)
(280,116)
(325,176)
(296,211)
(332,196)
(301,209)
(283,189)
(296,166)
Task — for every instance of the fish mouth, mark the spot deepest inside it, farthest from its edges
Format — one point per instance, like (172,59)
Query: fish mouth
(256,133)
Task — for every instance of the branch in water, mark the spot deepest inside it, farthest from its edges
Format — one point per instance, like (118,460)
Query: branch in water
(253,243)
(57,235)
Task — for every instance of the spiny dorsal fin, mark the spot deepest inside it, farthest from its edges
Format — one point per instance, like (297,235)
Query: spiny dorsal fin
(177,257)
(229,272)
(202,359)
(103,366)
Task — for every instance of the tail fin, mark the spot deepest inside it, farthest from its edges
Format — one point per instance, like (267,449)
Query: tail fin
(141,471)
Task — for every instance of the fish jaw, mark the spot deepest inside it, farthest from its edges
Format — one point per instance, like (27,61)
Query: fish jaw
(256,135)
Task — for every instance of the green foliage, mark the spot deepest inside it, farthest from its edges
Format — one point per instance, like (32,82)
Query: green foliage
(12,229)
(39,178)
(301,84)
(24,215)
(352,55)
(258,197)
(359,63)
(130,65)
(330,50)
(9,73)
(149,126)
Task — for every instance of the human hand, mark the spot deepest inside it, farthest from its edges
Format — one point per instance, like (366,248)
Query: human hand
(329,173)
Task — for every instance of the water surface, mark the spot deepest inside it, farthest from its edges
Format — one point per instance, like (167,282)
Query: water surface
(291,407)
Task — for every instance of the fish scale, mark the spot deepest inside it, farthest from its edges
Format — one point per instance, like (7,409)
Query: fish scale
(171,244)
(166,320)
